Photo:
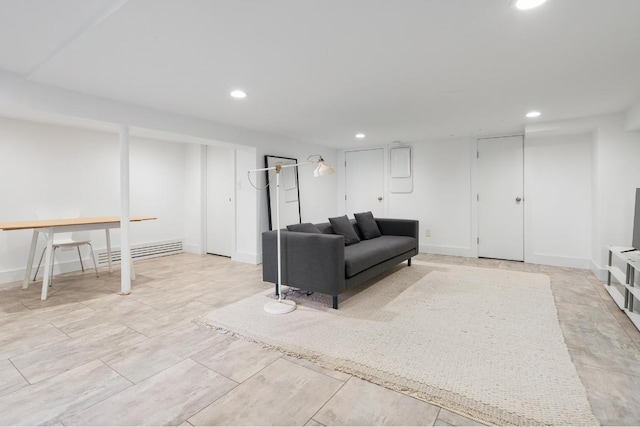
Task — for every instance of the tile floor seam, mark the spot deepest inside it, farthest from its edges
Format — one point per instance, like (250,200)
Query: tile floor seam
(89,307)
(636,345)
(22,304)
(437,415)
(55,327)
(587,329)
(214,401)
(16,368)
(116,350)
(609,369)
(323,373)
(62,417)
(145,378)
(331,397)
(153,336)
(262,369)
(37,347)
(147,337)
(116,371)
(71,414)
(214,371)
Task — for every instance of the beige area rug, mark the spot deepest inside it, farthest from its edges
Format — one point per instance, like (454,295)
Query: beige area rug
(485,343)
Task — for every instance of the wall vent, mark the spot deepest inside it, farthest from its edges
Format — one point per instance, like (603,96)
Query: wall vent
(151,250)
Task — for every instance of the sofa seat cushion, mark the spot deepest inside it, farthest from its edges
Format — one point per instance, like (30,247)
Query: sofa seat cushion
(368,253)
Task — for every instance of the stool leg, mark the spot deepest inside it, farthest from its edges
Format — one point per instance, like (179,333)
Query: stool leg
(93,257)
(80,256)
(53,262)
(39,262)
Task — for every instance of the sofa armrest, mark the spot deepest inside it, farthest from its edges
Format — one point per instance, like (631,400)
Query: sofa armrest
(310,261)
(398,227)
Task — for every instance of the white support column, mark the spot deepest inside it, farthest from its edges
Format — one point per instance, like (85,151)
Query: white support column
(125,240)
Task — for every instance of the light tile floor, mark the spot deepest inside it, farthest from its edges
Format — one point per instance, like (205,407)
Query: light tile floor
(88,356)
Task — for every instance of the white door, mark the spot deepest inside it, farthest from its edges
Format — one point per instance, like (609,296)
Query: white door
(364,187)
(501,198)
(220,201)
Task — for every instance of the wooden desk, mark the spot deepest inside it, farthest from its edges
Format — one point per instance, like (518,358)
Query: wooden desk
(51,226)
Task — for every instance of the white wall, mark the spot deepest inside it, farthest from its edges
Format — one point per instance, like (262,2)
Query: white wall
(618,171)
(557,180)
(595,205)
(61,168)
(248,238)
(557,192)
(194,168)
(615,174)
(441,197)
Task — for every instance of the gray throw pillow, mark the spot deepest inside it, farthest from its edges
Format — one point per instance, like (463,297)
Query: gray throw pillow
(367,225)
(341,225)
(305,227)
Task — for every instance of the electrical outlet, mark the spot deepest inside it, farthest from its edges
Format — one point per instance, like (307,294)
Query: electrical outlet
(427,233)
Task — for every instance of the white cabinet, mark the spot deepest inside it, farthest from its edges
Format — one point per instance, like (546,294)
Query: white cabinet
(623,263)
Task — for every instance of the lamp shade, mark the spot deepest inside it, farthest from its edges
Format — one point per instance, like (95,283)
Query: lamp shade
(323,169)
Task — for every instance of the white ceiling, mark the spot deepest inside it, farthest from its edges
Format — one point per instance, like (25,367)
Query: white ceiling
(321,70)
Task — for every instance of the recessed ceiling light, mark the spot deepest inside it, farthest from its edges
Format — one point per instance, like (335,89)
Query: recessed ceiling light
(528,4)
(360,135)
(238,94)
(533,114)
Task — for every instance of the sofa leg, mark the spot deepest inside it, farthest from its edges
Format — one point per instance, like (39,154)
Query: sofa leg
(335,302)
(276,290)
(409,262)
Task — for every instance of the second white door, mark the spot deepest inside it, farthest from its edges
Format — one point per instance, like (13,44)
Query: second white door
(220,204)
(364,186)
(501,198)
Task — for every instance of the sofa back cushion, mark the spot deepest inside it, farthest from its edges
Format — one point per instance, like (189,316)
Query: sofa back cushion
(341,225)
(305,227)
(325,228)
(367,225)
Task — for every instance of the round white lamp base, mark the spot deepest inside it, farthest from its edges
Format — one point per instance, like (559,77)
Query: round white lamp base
(280,307)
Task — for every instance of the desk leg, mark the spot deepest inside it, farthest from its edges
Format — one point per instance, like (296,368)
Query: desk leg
(47,265)
(32,252)
(108,248)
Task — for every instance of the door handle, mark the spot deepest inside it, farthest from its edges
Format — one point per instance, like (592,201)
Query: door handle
(379,198)
(518,199)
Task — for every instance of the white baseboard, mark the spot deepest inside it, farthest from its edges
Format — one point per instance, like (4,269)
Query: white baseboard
(585,264)
(601,273)
(559,261)
(11,276)
(192,249)
(246,257)
(446,250)
(63,265)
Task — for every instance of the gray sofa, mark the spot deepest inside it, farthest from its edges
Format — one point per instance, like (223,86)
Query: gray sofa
(322,263)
